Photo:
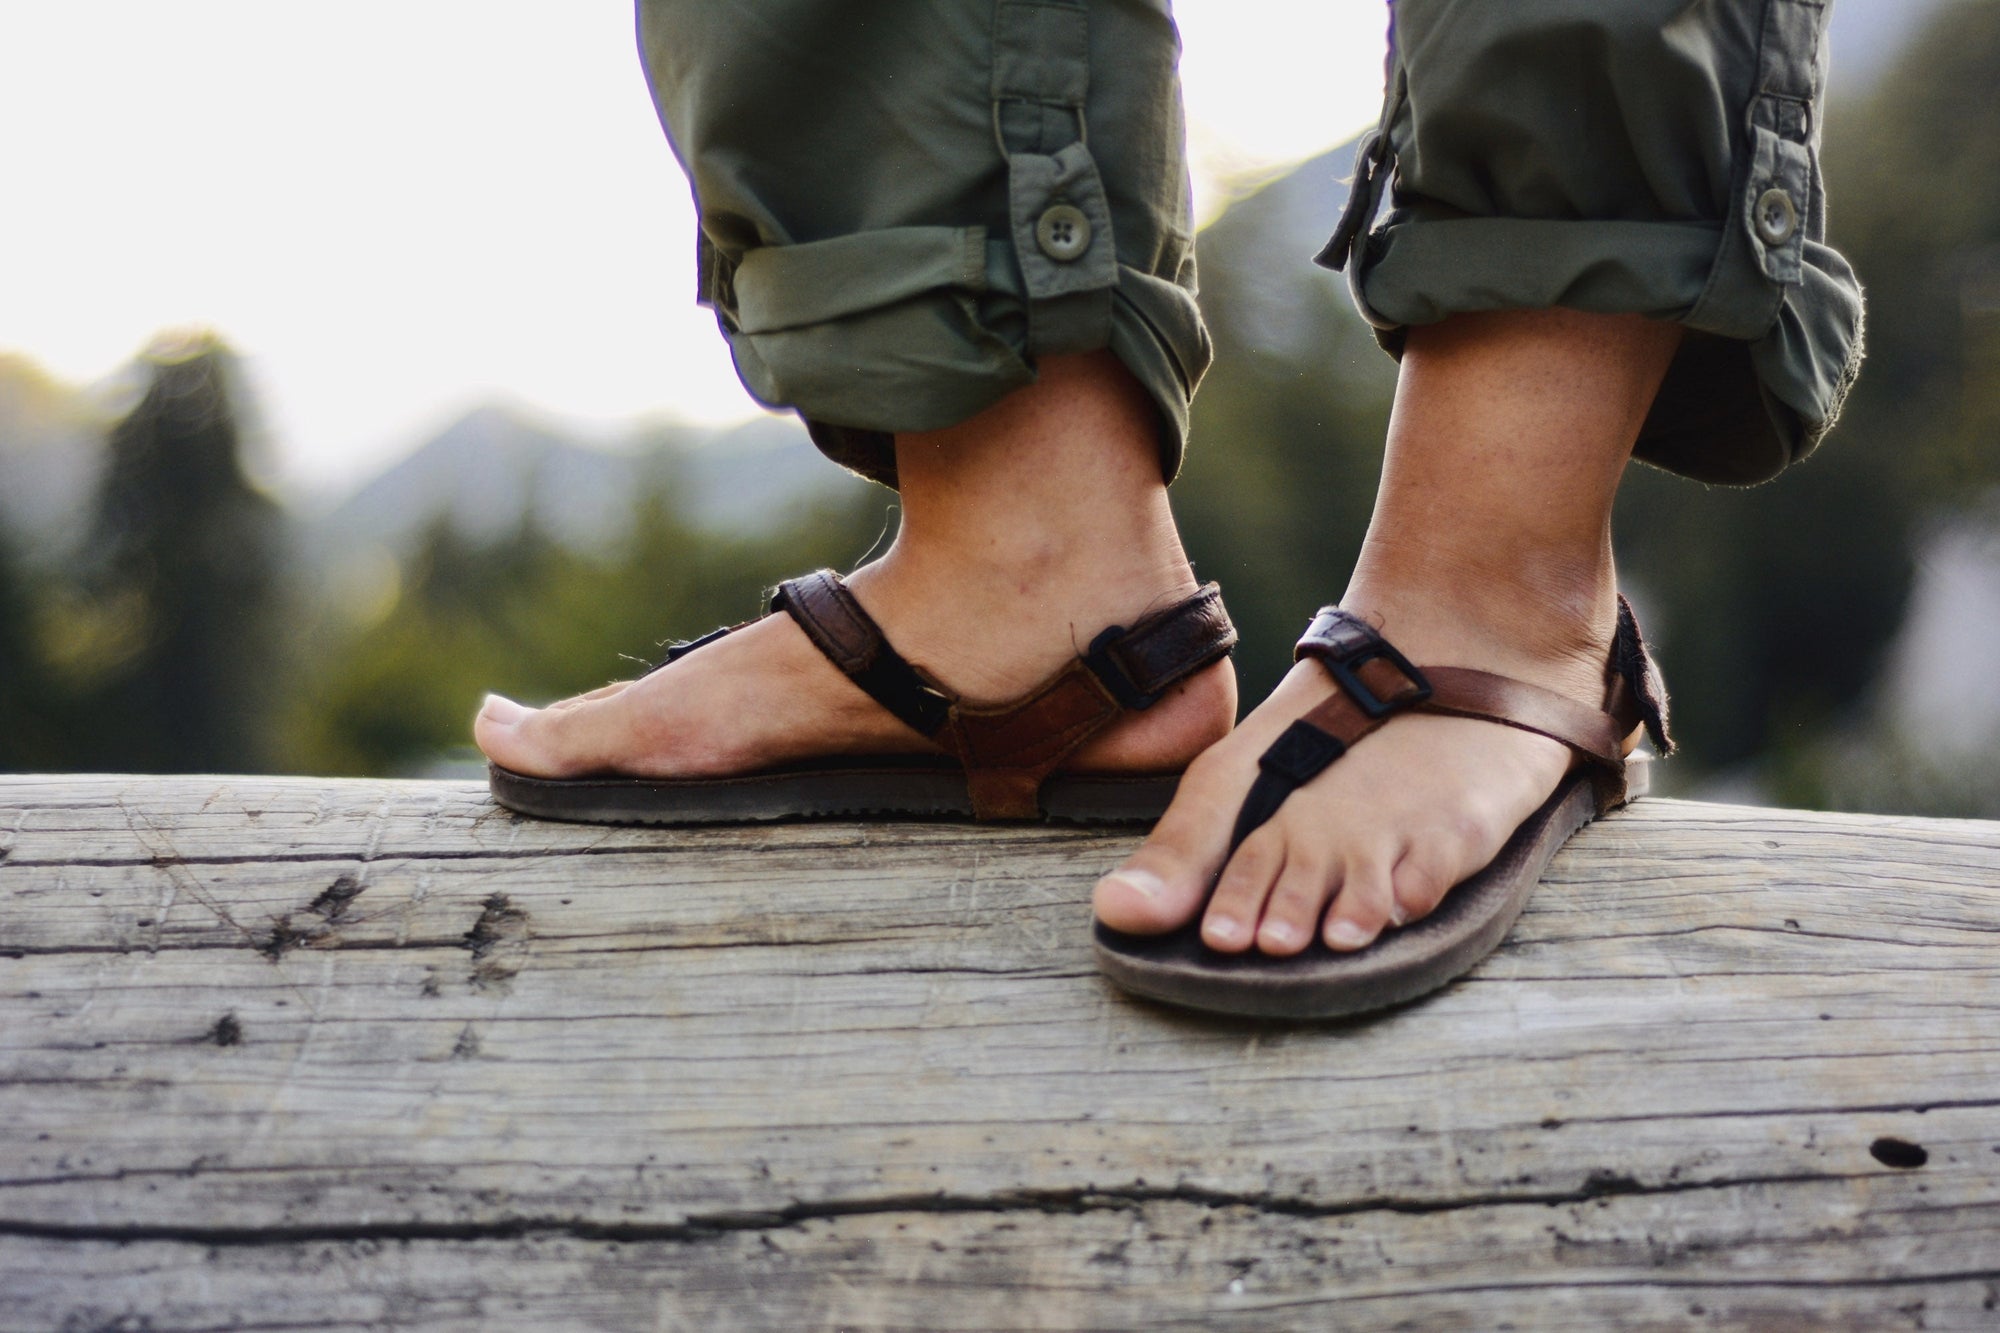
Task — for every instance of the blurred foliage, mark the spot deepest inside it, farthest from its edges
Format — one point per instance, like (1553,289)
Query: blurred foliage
(29,732)
(182,639)
(1915,183)
(533,619)
(157,653)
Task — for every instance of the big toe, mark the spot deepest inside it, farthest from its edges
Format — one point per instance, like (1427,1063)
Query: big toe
(540,742)
(1162,886)
(498,734)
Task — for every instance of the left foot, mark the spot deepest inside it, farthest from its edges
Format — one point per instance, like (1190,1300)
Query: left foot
(1490,547)
(1385,832)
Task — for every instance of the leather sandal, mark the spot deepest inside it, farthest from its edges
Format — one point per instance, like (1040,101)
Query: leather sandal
(1377,684)
(1002,761)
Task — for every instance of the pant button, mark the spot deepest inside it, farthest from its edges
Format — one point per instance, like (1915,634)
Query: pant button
(1776,217)
(1063,232)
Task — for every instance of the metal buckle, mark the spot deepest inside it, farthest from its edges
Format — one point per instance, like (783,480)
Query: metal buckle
(1346,671)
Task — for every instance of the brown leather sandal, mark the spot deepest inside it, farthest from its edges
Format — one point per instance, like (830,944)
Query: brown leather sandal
(1002,760)
(1376,684)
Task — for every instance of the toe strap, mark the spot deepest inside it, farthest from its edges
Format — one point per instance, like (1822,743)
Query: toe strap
(1298,756)
(1377,683)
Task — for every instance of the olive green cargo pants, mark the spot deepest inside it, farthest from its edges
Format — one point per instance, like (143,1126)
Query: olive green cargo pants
(904,206)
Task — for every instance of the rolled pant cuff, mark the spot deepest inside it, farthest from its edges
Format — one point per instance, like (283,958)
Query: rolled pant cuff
(918,328)
(1739,405)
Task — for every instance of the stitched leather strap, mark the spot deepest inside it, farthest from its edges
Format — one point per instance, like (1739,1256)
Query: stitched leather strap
(1139,664)
(852,641)
(1376,682)
(1009,749)
(1593,734)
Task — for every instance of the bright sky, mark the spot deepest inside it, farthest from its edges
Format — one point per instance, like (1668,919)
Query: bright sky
(397,208)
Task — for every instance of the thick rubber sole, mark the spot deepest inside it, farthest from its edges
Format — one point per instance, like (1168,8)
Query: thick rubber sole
(1401,965)
(890,789)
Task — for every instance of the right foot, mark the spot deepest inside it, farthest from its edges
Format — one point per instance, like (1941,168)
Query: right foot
(765,696)
(1026,531)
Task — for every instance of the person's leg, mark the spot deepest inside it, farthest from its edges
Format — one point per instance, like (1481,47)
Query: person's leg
(1025,531)
(879,210)
(1545,158)
(1490,547)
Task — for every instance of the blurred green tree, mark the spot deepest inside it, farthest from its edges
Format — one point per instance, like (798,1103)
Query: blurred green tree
(168,650)
(28,734)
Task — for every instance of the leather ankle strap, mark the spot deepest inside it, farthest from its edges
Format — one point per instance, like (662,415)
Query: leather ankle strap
(852,641)
(1009,749)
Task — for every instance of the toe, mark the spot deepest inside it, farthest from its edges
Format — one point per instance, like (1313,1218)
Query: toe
(1137,899)
(1234,913)
(1162,885)
(1363,907)
(1294,908)
(563,740)
(495,729)
(1423,875)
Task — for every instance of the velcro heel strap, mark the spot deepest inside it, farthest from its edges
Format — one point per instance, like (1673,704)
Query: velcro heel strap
(849,637)
(1009,749)
(1637,695)
(1138,665)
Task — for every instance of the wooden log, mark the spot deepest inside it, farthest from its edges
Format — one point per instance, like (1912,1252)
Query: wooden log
(286,1053)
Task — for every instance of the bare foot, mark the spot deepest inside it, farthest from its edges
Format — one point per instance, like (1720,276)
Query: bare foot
(1490,548)
(1026,531)
(1385,832)
(764,696)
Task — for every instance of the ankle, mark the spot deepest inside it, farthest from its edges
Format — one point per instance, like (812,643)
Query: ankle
(992,628)
(1532,613)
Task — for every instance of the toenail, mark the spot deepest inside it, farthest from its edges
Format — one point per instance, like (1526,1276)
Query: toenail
(499,708)
(1279,932)
(1347,935)
(1224,928)
(1142,882)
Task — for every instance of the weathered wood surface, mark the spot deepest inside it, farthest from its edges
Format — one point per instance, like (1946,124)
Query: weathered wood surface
(309,1054)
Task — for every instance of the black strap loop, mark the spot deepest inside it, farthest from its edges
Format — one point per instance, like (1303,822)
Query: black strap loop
(840,628)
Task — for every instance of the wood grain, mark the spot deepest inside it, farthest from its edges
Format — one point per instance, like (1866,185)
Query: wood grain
(282,1053)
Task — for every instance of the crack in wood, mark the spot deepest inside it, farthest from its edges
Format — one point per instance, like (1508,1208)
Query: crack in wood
(1048,840)
(1600,1184)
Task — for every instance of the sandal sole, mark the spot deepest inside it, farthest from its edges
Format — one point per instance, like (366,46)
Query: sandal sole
(1402,965)
(928,791)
